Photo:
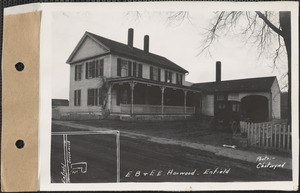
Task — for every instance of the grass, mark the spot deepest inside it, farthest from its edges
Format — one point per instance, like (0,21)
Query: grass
(188,130)
(196,131)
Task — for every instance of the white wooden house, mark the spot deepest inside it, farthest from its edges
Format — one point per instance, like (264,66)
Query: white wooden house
(141,84)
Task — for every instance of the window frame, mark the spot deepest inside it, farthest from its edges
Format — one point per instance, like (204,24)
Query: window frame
(94,68)
(78,72)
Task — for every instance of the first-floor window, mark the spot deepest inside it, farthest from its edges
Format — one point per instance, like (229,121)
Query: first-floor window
(95,97)
(123,96)
(77,97)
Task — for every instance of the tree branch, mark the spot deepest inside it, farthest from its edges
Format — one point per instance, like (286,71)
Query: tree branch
(265,19)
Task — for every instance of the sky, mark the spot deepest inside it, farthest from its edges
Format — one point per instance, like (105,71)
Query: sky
(180,42)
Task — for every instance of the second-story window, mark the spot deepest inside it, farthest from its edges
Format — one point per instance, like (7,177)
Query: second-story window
(178,79)
(168,76)
(128,68)
(154,73)
(94,68)
(78,71)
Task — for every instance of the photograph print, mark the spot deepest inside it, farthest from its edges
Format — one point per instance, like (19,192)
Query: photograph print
(171,96)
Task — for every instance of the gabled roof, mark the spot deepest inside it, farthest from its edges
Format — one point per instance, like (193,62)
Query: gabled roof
(239,85)
(134,53)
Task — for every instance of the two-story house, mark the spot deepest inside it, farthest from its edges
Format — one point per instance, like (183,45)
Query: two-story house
(141,84)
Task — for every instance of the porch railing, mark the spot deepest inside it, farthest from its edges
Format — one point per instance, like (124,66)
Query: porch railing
(157,109)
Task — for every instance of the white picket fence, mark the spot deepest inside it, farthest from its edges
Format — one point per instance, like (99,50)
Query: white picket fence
(268,135)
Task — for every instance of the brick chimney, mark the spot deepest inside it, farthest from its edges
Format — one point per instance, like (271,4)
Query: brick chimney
(146,43)
(218,71)
(130,37)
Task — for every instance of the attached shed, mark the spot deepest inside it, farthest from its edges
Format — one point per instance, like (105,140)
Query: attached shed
(259,97)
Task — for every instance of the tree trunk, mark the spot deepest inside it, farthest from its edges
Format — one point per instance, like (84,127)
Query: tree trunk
(285,23)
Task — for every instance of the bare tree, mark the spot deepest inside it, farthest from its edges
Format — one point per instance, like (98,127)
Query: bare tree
(262,28)
(104,96)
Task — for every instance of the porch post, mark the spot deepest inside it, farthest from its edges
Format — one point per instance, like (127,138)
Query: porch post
(185,92)
(162,88)
(109,101)
(132,84)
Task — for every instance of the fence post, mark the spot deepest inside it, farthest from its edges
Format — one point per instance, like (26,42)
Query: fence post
(248,133)
(259,131)
(271,136)
(288,137)
(267,135)
(283,136)
(255,134)
(279,136)
(252,133)
(275,136)
(263,135)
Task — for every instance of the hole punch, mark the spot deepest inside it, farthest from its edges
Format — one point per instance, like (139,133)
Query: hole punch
(20,144)
(19,66)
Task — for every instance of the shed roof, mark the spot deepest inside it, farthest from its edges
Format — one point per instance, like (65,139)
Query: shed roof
(238,85)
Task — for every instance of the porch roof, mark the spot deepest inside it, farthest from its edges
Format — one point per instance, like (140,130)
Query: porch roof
(152,82)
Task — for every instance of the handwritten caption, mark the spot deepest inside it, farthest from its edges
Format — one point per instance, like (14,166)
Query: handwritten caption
(268,162)
(172,172)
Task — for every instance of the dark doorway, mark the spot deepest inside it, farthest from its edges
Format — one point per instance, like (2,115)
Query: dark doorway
(255,108)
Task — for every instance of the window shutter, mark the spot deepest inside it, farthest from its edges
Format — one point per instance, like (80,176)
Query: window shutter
(93,69)
(79,97)
(159,75)
(102,67)
(96,94)
(97,68)
(166,76)
(75,73)
(100,96)
(75,98)
(151,73)
(89,97)
(86,70)
(119,61)
(177,79)
(140,70)
(118,95)
(134,69)
(80,70)
(129,68)
(181,79)
(170,77)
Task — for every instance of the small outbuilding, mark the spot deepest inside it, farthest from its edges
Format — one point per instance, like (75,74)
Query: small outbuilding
(259,97)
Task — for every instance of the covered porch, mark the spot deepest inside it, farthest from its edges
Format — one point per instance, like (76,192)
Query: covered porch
(146,99)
